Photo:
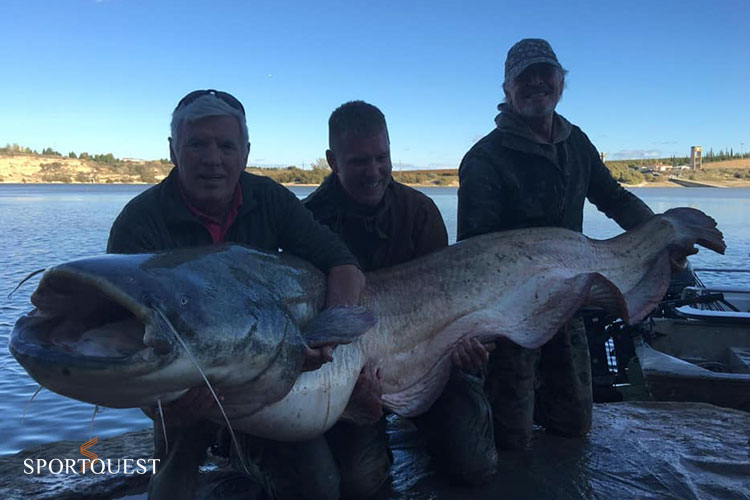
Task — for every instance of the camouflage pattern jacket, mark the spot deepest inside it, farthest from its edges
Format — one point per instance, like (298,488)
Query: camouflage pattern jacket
(406,224)
(508,180)
(270,218)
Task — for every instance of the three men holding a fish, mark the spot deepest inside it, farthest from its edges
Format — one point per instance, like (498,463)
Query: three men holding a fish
(534,169)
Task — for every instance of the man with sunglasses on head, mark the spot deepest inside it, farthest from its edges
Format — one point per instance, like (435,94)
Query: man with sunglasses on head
(207,199)
(537,169)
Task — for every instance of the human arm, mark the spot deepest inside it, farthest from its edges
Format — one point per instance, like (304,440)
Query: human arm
(365,405)
(304,237)
(470,354)
(132,232)
(345,284)
(623,206)
(301,235)
(610,197)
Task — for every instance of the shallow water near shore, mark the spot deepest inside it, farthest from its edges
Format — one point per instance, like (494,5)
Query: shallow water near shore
(44,225)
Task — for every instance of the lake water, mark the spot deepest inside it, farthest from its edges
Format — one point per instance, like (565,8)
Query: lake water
(42,225)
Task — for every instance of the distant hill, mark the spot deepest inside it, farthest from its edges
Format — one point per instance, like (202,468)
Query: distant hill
(34,168)
(104,169)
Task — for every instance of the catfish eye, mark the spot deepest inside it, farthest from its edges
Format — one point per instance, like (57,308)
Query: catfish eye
(184,301)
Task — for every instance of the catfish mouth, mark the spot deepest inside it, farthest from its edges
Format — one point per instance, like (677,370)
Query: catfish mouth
(86,321)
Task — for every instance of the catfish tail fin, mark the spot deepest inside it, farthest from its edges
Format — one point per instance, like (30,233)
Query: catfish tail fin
(695,227)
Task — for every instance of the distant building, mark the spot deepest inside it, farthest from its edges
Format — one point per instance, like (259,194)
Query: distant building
(696,155)
(133,160)
(604,157)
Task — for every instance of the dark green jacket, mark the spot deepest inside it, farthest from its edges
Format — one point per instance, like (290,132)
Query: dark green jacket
(406,223)
(270,218)
(508,180)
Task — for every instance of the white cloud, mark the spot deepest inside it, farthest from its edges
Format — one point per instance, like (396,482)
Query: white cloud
(635,154)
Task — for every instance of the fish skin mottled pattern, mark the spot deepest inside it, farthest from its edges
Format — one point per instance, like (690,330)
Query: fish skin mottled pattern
(521,284)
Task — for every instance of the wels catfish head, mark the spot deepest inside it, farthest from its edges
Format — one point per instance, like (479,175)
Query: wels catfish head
(115,330)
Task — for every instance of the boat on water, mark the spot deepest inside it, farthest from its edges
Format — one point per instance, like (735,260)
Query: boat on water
(694,347)
(700,349)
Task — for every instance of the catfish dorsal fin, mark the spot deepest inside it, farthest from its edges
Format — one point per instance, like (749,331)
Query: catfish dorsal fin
(338,325)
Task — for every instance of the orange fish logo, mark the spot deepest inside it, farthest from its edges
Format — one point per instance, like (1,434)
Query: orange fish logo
(89,454)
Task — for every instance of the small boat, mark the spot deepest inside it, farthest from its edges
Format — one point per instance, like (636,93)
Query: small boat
(698,348)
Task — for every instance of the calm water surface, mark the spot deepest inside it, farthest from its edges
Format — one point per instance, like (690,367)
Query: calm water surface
(42,225)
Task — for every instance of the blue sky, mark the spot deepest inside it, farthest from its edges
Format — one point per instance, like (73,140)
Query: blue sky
(647,78)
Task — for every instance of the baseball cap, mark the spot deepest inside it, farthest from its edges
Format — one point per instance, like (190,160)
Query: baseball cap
(527,52)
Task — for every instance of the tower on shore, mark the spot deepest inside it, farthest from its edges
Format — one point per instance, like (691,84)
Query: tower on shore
(604,157)
(696,155)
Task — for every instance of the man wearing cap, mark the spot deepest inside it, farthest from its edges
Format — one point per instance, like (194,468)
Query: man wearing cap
(537,169)
(208,199)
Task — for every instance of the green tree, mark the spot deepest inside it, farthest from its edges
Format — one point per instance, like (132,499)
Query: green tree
(106,158)
(320,164)
(72,155)
(50,152)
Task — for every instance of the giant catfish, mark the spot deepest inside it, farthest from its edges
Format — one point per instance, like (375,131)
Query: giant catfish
(116,330)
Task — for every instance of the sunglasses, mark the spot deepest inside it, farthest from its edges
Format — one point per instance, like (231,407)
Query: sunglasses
(224,96)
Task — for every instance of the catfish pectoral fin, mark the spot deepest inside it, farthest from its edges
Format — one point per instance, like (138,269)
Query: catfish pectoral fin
(338,325)
(646,294)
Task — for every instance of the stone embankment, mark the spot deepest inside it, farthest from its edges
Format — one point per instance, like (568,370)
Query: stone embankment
(689,183)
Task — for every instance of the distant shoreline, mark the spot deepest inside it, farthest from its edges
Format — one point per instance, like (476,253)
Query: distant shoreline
(29,168)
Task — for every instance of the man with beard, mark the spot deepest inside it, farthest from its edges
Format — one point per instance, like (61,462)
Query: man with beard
(537,169)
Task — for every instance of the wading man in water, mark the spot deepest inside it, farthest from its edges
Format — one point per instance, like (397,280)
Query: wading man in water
(385,223)
(536,169)
(207,199)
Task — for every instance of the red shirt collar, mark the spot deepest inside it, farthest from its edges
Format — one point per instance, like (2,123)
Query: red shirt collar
(217,227)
